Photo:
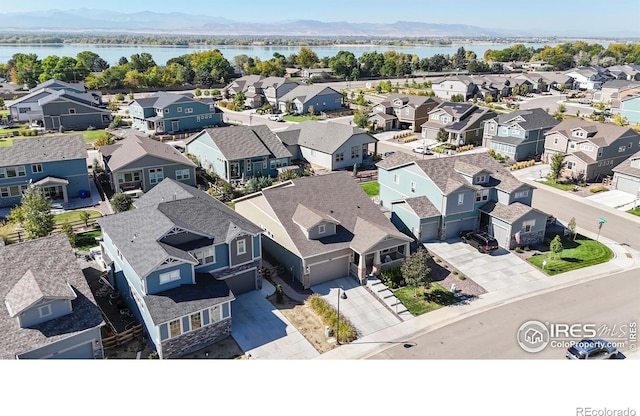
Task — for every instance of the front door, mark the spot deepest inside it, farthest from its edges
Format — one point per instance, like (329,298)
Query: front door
(55,122)
(175,125)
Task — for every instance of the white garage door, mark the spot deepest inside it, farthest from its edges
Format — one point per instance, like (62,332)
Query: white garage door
(323,272)
(501,234)
(627,185)
(429,231)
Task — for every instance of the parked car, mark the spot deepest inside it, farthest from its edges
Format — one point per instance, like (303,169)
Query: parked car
(592,349)
(276,117)
(482,241)
(387,154)
(423,150)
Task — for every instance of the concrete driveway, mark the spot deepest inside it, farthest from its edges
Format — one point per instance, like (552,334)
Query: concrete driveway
(496,271)
(263,332)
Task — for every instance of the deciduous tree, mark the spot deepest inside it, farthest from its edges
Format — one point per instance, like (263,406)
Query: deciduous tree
(416,271)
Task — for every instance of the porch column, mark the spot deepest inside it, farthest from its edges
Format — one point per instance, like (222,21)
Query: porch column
(64,193)
(376,258)
(362,268)
(407,250)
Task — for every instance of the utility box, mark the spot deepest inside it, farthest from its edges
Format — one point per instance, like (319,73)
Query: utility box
(327,331)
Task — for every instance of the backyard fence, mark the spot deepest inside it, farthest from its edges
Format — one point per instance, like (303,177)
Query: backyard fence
(121,338)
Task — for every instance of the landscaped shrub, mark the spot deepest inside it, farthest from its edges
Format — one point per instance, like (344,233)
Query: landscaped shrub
(518,250)
(464,148)
(462,277)
(599,188)
(410,139)
(330,317)
(279,294)
(392,278)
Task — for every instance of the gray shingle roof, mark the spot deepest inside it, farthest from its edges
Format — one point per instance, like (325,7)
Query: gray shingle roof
(508,213)
(602,134)
(339,196)
(134,147)
(241,142)
(626,168)
(422,207)
(45,267)
(307,92)
(162,99)
(324,137)
(395,160)
(309,217)
(137,233)
(43,149)
(414,101)
(534,119)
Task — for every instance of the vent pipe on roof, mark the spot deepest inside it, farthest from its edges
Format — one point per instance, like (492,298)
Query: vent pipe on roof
(174,196)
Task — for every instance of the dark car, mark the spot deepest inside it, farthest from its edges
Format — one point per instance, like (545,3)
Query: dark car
(387,154)
(592,349)
(482,241)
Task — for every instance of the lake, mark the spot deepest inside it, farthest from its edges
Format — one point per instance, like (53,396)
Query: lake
(161,54)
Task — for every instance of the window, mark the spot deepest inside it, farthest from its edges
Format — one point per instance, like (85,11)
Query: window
(522,194)
(515,131)
(129,177)
(460,199)
(241,247)
(322,228)
(247,164)
(179,109)
(555,140)
(586,147)
(156,175)
(482,195)
(169,276)
(205,255)
(24,110)
(505,130)
(174,328)
(621,149)
(355,152)
(413,187)
(215,313)
(339,157)
(166,110)
(12,191)
(481,178)
(264,164)
(188,110)
(527,226)
(196,320)
(572,145)
(629,145)
(570,165)
(182,174)
(600,152)
(44,311)
(396,179)
(12,172)
(72,111)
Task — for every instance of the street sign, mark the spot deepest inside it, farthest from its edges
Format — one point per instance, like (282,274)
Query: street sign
(602,220)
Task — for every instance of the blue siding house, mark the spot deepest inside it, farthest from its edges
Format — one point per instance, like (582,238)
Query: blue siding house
(48,309)
(518,135)
(239,152)
(164,112)
(438,198)
(318,96)
(178,260)
(57,165)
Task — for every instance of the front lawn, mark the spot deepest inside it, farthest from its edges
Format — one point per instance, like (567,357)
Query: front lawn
(427,300)
(583,252)
(85,241)
(371,188)
(635,211)
(558,185)
(299,119)
(89,136)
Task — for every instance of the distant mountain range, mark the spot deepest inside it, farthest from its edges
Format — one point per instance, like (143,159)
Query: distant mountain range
(107,21)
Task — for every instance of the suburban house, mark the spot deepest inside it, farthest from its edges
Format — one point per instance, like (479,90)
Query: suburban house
(612,92)
(140,163)
(57,165)
(300,99)
(310,73)
(324,227)
(447,87)
(259,90)
(518,135)
(408,111)
(463,122)
(630,108)
(165,112)
(628,71)
(553,80)
(592,149)
(237,153)
(589,78)
(436,199)
(178,261)
(48,309)
(327,145)
(626,176)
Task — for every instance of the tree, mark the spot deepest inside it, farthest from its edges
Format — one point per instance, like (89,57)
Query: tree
(311,110)
(619,119)
(572,227)
(121,202)
(557,165)
(416,271)
(443,136)
(68,230)
(34,213)
(556,246)
(361,118)
(84,217)
(103,140)
(239,99)
(307,58)
(197,92)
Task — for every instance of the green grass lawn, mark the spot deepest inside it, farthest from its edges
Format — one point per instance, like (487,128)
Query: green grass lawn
(89,136)
(583,252)
(635,211)
(371,188)
(561,186)
(427,300)
(72,216)
(300,119)
(85,241)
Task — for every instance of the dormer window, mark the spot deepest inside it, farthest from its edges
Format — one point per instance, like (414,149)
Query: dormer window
(481,178)
(322,228)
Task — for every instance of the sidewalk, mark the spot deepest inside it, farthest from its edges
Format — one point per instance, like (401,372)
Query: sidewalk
(625,259)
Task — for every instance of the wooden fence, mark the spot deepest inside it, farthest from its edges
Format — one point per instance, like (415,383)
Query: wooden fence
(92,224)
(121,338)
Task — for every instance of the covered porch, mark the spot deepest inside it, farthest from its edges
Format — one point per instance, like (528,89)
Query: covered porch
(54,188)
(373,262)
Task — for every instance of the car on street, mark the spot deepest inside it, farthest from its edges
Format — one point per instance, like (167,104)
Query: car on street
(276,117)
(591,349)
(423,150)
(387,154)
(482,241)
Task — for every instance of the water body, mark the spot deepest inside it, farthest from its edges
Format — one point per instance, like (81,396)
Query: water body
(161,54)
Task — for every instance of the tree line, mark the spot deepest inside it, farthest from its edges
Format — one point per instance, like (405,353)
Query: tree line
(208,68)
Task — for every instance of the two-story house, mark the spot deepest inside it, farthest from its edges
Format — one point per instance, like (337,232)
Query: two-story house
(626,176)
(630,107)
(327,145)
(436,199)
(304,97)
(178,260)
(408,111)
(259,90)
(140,163)
(463,122)
(73,111)
(239,152)
(165,112)
(589,78)
(57,165)
(447,87)
(592,149)
(518,135)
(323,228)
(48,309)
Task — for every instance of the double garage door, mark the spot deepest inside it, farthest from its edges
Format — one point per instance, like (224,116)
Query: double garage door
(627,185)
(329,270)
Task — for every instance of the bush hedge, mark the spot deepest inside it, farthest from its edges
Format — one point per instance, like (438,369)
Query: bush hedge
(330,317)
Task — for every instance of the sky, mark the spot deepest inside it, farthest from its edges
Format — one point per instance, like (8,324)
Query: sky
(544,15)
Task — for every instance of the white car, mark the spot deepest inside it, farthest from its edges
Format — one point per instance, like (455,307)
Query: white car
(423,150)
(276,117)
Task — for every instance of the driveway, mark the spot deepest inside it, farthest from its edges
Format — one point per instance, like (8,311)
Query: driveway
(263,332)
(496,271)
